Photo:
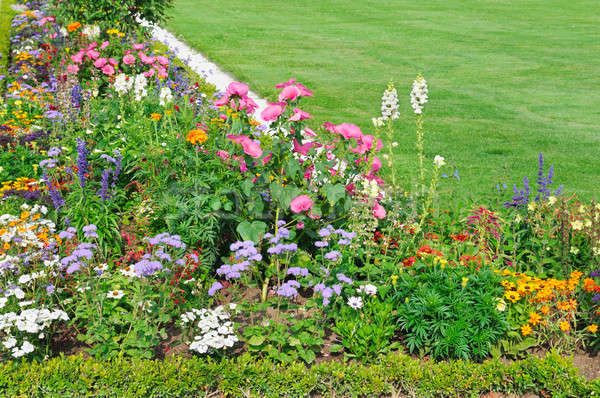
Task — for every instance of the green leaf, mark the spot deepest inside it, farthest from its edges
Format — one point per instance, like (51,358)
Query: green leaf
(251,231)
(334,192)
(215,204)
(256,340)
(336,348)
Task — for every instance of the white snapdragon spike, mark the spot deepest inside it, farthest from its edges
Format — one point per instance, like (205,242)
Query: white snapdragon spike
(439,161)
(165,96)
(418,95)
(139,87)
(122,84)
(91,31)
(216,329)
(389,104)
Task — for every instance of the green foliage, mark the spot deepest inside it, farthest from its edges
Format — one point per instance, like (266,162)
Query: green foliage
(249,376)
(286,341)
(366,333)
(450,312)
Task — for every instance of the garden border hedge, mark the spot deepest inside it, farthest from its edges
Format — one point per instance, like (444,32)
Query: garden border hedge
(249,376)
(6,16)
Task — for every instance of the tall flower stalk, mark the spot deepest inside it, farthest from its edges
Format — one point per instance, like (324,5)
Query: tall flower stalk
(418,98)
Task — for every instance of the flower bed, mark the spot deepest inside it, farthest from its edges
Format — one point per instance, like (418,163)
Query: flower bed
(145,217)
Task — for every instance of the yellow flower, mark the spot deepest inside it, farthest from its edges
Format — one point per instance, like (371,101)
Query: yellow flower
(394,279)
(512,296)
(197,136)
(534,318)
(155,116)
(565,326)
(577,225)
(545,309)
(525,329)
(593,328)
(464,282)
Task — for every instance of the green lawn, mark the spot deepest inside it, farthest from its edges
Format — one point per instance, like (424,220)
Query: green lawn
(508,78)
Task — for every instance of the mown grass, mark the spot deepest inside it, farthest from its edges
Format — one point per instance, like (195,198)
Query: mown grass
(6,16)
(508,79)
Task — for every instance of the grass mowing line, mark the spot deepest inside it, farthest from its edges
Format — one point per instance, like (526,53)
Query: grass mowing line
(507,79)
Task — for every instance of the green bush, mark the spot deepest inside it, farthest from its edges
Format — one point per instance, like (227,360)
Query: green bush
(247,376)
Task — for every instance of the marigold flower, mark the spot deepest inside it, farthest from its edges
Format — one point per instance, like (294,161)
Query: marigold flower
(155,116)
(197,136)
(526,330)
(72,27)
(545,309)
(593,328)
(565,326)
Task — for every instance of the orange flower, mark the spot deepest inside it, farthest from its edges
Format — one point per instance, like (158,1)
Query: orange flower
(197,136)
(545,309)
(72,27)
(565,326)
(588,285)
(525,330)
(593,328)
(563,305)
(155,116)
(534,318)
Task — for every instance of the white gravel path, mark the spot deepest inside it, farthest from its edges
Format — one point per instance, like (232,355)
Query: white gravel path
(201,65)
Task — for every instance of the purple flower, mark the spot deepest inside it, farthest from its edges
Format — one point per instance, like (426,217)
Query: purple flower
(325,232)
(343,278)
(333,255)
(76,266)
(146,268)
(82,164)
(216,286)
(288,289)
(281,223)
(68,234)
(337,289)
(344,241)
(321,243)
(297,271)
(49,289)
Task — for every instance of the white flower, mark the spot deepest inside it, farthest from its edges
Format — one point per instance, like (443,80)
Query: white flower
(139,87)
(3,301)
(165,96)
(418,95)
(551,200)
(377,121)
(369,289)
(355,302)
(389,104)
(501,306)
(574,250)
(577,225)
(439,161)
(23,279)
(91,31)
(102,267)
(26,303)
(122,84)
(10,342)
(115,294)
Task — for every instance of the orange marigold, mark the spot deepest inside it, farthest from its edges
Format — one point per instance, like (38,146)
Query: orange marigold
(525,330)
(565,326)
(593,328)
(545,309)
(72,27)
(197,136)
(155,116)
(534,318)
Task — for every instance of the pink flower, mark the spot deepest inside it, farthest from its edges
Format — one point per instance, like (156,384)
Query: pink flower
(100,62)
(145,59)
(237,88)
(251,148)
(248,104)
(138,47)
(93,54)
(378,211)
(308,173)
(108,70)
(304,91)
(221,101)
(299,114)
(300,225)
(267,158)
(113,62)
(376,165)
(330,127)
(104,45)
(304,149)
(161,72)
(379,145)
(309,132)
(301,203)
(272,111)
(348,131)
(224,155)
(285,84)
(72,68)
(149,73)
(289,93)
(164,61)
(129,59)
(78,58)
(243,167)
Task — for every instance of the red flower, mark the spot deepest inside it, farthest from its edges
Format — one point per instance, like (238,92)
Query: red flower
(460,237)
(409,261)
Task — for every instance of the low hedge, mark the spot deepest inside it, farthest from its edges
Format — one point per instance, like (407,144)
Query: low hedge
(6,16)
(245,375)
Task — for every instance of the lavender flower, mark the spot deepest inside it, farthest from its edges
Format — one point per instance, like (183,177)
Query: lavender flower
(288,289)
(297,271)
(89,231)
(82,164)
(333,255)
(321,243)
(343,278)
(216,286)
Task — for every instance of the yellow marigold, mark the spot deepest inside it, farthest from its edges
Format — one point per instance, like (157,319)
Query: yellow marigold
(525,329)
(534,318)
(576,274)
(512,296)
(563,305)
(197,136)
(72,27)
(155,116)
(545,309)
(565,326)
(593,328)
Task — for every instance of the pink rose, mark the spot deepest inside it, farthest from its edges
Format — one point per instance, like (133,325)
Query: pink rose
(113,62)
(72,68)
(129,59)
(304,91)
(267,158)
(248,104)
(300,225)
(104,45)
(93,54)
(221,101)
(299,114)
(164,61)
(100,62)
(301,203)
(138,47)
(289,93)
(378,211)
(78,58)
(149,73)
(108,70)
(251,148)
(237,88)
(272,111)
(145,59)
(224,155)
(304,149)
